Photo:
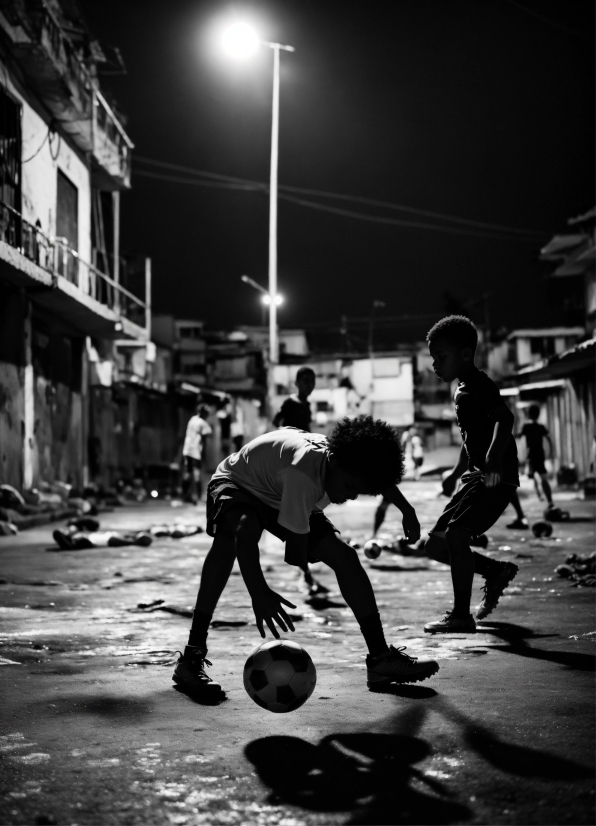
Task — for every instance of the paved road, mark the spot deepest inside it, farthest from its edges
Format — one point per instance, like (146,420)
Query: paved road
(93,731)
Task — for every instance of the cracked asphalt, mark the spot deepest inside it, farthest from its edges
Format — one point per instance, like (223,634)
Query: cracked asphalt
(93,731)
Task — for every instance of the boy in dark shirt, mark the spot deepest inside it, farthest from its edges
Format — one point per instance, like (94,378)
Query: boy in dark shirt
(295,411)
(490,456)
(534,434)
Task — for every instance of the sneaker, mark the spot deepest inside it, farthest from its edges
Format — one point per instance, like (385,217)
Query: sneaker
(190,674)
(396,667)
(494,587)
(451,625)
(518,524)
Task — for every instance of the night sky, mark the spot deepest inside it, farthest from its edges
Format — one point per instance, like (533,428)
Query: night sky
(480,110)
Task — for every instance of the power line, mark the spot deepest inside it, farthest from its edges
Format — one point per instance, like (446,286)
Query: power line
(259,185)
(378,219)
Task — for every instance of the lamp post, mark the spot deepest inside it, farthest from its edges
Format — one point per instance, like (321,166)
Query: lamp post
(241,40)
(265,296)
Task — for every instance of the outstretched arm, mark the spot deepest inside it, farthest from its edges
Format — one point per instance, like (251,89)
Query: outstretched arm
(410,520)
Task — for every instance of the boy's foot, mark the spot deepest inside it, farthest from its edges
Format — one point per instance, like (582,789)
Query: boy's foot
(394,666)
(190,674)
(451,624)
(63,540)
(518,524)
(494,587)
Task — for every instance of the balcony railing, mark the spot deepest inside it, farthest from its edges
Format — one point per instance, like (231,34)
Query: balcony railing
(56,257)
(70,91)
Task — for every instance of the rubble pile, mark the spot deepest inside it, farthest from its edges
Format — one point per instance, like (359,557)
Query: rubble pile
(581,570)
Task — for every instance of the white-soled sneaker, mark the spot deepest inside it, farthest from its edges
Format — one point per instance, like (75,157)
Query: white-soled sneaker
(451,625)
(494,587)
(394,666)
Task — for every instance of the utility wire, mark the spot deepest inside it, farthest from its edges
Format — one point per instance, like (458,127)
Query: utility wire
(550,22)
(348,213)
(259,185)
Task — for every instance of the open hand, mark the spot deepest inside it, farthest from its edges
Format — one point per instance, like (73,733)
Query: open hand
(411,526)
(268,608)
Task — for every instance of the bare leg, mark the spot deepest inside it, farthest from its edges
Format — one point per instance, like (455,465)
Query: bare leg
(535,478)
(462,569)
(516,505)
(352,579)
(436,548)
(216,572)
(546,488)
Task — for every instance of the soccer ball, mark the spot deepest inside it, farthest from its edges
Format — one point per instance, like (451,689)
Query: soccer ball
(280,676)
(372,549)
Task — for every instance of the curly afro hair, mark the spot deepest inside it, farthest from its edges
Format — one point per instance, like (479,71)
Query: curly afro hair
(369,448)
(456,329)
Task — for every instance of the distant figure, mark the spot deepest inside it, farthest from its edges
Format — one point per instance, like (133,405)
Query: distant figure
(197,431)
(237,428)
(534,434)
(295,411)
(417,452)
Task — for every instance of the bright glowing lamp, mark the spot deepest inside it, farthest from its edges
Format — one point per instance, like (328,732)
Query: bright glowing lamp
(240,40)
(266,299)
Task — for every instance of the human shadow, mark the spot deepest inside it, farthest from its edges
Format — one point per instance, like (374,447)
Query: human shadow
(405,568)
(366,774)
(516,636)
(509,757)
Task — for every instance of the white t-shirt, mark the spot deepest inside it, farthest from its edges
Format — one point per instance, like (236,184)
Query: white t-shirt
(417,449)
(193,441)
(286,470)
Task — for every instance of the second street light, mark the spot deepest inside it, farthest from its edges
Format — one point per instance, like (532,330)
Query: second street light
(241,41)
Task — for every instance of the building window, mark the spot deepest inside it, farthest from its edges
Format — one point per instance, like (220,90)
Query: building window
(67,227)
(10,169)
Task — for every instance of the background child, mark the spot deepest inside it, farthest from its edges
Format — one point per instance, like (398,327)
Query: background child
(534,434)
(197,431)
(295,411)
(281,482)
(489,454)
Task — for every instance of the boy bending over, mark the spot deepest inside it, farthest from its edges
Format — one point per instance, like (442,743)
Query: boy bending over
(489,454)
(281,482)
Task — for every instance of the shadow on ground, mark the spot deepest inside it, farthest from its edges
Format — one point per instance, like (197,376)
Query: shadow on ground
(516,636)
(367,774)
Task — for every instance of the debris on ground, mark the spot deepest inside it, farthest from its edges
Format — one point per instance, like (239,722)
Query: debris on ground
(176,531)
(580,569)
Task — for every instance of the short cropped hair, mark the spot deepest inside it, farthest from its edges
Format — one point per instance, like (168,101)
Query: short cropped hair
(305,371)
(534,411)
(368,448)
(456,329)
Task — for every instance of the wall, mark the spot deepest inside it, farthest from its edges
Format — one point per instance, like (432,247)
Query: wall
(13,313)
(40,173)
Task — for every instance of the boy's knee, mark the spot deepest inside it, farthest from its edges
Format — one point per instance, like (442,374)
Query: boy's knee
(456,536)
(336,553)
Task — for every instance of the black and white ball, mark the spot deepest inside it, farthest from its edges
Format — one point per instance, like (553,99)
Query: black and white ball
(280,676)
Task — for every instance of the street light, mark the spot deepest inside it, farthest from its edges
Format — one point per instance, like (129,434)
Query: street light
(265,297)
(241,41)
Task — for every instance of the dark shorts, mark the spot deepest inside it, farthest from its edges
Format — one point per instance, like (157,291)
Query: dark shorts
(190,464)
(536,465)
(418,461)
(224,495)
(475,507)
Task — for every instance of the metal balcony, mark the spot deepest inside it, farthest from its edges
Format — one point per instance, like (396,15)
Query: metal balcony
(59,76)
(60,280)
